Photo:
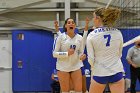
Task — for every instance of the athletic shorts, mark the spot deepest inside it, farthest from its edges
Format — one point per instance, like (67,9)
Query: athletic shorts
(83,71)
(108,79)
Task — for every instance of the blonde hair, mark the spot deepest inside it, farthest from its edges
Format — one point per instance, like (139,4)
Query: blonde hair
(108,15)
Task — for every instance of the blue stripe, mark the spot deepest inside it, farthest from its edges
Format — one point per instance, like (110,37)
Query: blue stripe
(54,43)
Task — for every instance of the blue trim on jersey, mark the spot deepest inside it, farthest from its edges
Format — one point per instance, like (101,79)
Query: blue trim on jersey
(83,71)
(54,43)
(108,79)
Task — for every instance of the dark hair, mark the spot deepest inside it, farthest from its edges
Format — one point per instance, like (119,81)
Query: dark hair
(64,29)
(108,15)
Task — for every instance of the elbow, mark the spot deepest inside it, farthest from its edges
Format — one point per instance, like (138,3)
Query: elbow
(54,55)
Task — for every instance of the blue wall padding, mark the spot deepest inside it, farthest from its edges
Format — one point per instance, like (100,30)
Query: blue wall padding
(36,53)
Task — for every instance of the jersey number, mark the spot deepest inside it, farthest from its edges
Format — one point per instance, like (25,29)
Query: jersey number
(73,46)
(108,39)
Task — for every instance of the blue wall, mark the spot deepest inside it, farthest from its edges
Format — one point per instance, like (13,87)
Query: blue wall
(35,51)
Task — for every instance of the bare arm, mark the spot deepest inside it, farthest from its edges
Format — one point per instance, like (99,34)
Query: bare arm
(129,58)
(132,63)
(85,33)
(57,28)
(83,56)
(87,24)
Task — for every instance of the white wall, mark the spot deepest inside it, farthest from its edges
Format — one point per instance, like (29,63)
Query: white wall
(5,62)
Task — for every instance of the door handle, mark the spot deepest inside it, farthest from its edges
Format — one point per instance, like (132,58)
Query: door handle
(5,69)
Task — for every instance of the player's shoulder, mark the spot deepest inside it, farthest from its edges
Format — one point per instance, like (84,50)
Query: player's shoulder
(92,32)
(97,31)
(91,35)
(61,36)
(113,31)
(116,30)
(78,36)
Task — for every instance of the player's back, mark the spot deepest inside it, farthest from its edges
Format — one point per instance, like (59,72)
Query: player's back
(107,42)
(107,45)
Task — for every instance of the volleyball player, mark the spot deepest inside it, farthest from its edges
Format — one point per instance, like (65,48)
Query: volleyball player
(84,88)
(104,47)
(69,53)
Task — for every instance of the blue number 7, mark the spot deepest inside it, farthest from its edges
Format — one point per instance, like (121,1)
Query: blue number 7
(108,39)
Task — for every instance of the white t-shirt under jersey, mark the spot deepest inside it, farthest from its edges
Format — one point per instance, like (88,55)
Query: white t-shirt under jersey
(104,47)
(64,62)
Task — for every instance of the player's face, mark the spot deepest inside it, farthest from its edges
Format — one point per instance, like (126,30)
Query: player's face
(96,20)
(70,25)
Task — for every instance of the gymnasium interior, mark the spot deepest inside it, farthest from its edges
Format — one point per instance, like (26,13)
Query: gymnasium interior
(27,35)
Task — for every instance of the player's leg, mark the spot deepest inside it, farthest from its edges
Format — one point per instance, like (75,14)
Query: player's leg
(84,85)
(76,77)
(117,83)
(96,87)
(64,78)
(117,87)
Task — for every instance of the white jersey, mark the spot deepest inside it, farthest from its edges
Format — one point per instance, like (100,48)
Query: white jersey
(84,38)
(104,47)
(64,62)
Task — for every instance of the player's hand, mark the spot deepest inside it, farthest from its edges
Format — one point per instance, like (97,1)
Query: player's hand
(52,76)
(83,57)
(70,51)
(134,65)
(56,26)
(87,23)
